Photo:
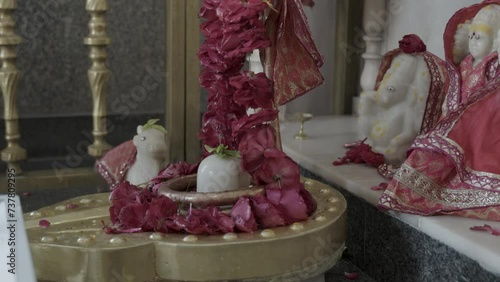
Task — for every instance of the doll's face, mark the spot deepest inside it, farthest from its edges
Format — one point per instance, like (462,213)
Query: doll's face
(480,44)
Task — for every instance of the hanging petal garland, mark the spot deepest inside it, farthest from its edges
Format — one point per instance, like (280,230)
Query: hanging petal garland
(232,29)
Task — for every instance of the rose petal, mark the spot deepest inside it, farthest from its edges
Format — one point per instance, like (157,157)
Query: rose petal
(351,275)
(362,153)
(487,228)
(250,121)
(175,170)
(124,191)
(254,146)
(266,213)
(308,200)
(381,187)
(44,223)
(289,202)
(252,90)
(208,221)
(411,43)
(281,173)
(243,216)
(159,210)
(71,206)
(133,215)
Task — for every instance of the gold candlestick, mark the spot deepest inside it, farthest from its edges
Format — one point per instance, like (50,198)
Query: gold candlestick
(302,118)
(98,73)
(13,154)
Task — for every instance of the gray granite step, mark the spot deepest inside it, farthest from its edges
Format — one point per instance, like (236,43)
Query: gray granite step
(387,249)
(337,273)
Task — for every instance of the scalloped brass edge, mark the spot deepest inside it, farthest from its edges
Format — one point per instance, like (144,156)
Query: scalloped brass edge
(75,248)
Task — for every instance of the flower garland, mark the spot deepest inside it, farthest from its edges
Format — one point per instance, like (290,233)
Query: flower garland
(232,29)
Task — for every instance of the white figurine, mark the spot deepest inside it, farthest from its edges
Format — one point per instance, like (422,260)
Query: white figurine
(391,117)
(152,153)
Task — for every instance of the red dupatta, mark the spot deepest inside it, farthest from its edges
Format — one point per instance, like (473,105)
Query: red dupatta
(293,60)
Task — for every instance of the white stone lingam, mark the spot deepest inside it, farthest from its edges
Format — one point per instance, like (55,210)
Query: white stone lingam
(221,172)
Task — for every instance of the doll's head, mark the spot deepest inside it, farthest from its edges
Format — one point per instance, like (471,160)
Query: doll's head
(483,32)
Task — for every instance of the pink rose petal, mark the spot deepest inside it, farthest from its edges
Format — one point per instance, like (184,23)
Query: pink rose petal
(351,275)
(381,187)
(44,223)
(71,206)
(159,210)
(243,216)
(266,213)
(487,228)
(282,173)
(289,203)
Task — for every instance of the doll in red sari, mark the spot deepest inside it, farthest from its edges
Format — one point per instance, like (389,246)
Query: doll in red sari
(455,168)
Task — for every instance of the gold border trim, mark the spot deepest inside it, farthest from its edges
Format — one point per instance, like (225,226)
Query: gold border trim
(75,247)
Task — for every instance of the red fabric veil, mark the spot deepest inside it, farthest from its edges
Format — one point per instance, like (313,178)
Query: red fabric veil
(293,61)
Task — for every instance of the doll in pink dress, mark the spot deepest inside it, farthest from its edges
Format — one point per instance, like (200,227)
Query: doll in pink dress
(455,168)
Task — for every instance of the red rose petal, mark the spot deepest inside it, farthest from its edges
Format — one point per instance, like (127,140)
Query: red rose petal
(243,216)
(487,228)
(252,90)
(362,153)
(411,43)
(159,210)
(351,275)
(250,121)
(44,223)
(381,187)
(281,173)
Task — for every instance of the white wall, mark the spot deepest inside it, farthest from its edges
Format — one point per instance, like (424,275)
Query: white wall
(322,23)
(426,18)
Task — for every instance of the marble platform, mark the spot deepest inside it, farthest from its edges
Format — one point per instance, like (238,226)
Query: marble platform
(391,246)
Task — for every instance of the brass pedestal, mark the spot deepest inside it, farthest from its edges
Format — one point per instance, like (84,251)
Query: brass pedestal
(75,248)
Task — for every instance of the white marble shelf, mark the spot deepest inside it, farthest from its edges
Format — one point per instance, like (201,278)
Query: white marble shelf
(328,134)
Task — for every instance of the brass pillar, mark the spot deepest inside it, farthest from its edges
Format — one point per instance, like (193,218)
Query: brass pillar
(13,154)
(98,73)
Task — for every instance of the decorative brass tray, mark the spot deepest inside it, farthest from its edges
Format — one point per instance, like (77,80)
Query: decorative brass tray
(75,248)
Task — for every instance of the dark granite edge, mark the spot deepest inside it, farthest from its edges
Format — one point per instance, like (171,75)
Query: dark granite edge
(65,139)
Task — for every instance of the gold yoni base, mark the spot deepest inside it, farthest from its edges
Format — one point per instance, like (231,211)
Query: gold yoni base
(75,248)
